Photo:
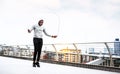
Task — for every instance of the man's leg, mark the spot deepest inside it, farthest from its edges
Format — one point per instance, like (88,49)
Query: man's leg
(39,51)
(34,56)
(35,51)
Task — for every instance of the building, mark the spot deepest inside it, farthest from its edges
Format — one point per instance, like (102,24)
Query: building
(117,47)
(70,55)
(106,51)
(91,50)
(64,55)
(18,52)
(48,55)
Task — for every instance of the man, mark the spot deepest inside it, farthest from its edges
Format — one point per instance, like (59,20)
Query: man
(38,41)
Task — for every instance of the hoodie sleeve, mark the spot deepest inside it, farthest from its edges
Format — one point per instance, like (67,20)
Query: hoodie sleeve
(46,33)
(32,28)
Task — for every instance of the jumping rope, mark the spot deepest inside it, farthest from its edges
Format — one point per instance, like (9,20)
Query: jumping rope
(58,29)
(58,26)
(58,19)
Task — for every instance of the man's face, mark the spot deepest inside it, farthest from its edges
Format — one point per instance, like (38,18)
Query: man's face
(40,23)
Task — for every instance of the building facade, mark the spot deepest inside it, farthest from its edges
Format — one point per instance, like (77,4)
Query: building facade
(117,47)
(70,55)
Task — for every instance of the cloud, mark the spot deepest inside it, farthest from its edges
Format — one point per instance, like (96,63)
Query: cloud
(41,3)
(83,26)
(18,11)
(105,8)
(28,6)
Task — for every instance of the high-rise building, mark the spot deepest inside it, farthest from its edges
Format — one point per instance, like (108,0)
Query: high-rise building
(117,47)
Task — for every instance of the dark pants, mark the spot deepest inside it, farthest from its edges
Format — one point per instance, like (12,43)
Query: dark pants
(38,42)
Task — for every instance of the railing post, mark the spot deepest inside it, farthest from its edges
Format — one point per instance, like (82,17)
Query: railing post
(111,61)
(77,52)
(56,52)
(20,50)
(28,50)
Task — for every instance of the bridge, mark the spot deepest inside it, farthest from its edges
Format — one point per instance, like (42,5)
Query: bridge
(19,66)
(76,55)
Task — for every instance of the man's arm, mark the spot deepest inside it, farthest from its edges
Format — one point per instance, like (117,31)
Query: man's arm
(53,36)
(29,30)
(46,33)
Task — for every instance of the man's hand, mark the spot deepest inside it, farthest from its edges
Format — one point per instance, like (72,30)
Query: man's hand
(29,31)
(54,36)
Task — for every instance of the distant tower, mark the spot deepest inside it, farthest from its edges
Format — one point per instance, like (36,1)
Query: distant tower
(117,47)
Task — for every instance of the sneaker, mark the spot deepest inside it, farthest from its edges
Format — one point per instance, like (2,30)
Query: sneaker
(34,65)
(37,63)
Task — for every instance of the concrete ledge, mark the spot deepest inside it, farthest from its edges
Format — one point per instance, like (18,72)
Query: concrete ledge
(97,67)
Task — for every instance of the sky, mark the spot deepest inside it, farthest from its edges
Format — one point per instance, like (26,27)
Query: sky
(74,21)
(18,66)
